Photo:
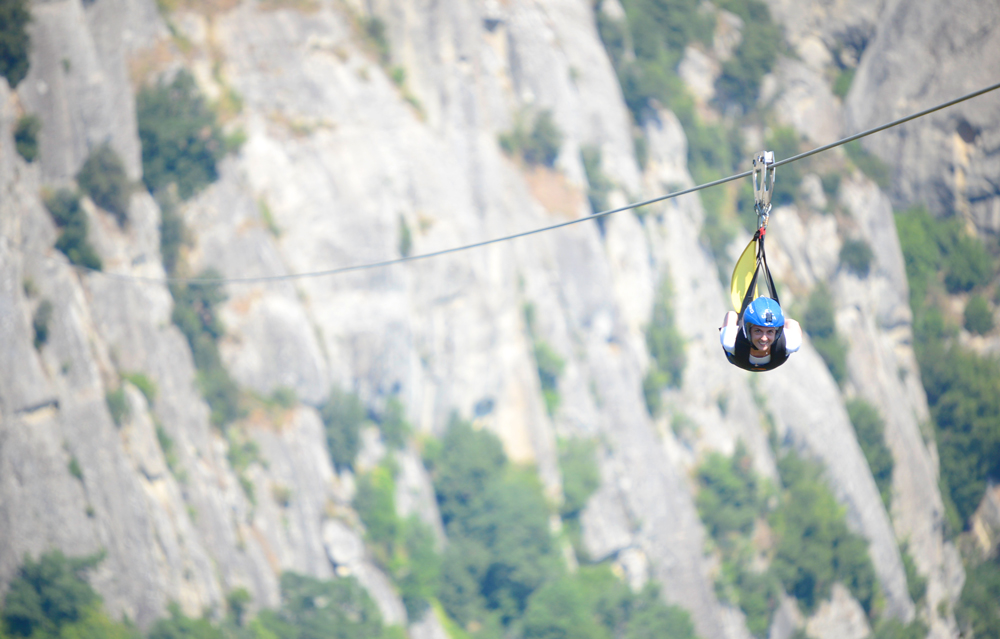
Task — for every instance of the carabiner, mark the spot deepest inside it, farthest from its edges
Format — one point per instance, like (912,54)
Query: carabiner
(763,185)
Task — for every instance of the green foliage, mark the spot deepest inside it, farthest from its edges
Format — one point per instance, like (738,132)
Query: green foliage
(117,405)
(26,136)
(652,388)
(876,170)
(167,446)
(728,495)
(343,414)
(819,322)
(314,609)
(236,602)
(395,429)
(172,231)
(14,40)
(856,256)
(374,30)
(815,547)
(559,610)
(179,626)
(762,42)
(870,431)
(48,596)
(500,549)
(405,237)
(580,474)
(145,385)
(962,387)
(74,468)
(968,265)
(647,46)
(195,314)
(963,391)
(103,178)
(550,367)
(842,84)
(666,346)
(283,397)
(40,323)
(599,184)
(404,548)
(64,205)
(896,629)
(375,503)
(978,315)
(977,609)
(650,618)
(540,145)
(181,139)
(730,499)
(915,582)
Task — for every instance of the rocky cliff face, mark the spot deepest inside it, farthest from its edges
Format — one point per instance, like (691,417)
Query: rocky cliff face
(340,156)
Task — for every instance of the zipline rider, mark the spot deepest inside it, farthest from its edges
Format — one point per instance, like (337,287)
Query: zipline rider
(764,340)
(759,338)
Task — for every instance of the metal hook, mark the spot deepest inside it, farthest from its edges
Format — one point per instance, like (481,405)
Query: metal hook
(763,185)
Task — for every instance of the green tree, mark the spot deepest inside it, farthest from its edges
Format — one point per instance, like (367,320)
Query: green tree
(500,549)
(314,609)
(762,41)
(822,328)
(963,391)
(343,414)
(14,40)
(195,314)
(580,474)
(977,610)
(103,178)
(550,367)
(856,256)
(47,595)
(181,139)
(64,205)
(395,429)
(815,547)
(599,184)
(559,610)
(542,146)
(40,323)
(870,431)
(978,315)
(26,136)
(179,626)
(728,494)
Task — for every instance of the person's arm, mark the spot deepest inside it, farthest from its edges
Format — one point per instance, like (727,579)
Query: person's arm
(727,334)
(793,336)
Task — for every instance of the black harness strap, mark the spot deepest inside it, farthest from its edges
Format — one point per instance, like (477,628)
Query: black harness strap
(761,267)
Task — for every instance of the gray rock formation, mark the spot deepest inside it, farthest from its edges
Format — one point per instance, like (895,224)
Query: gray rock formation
(839,618)
(924,54)
(342,156)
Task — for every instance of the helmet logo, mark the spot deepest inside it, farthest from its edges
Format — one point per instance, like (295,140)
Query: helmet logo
(769,316)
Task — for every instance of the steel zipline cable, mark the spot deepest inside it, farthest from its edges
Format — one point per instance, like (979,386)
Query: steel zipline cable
(544,229)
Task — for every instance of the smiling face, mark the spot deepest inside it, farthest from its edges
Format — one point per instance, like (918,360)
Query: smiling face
(761,338)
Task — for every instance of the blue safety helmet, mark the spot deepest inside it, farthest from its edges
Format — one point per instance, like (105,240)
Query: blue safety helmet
(763,312)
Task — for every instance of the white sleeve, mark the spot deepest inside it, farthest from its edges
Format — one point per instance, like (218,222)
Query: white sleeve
(728,338)
(793,337)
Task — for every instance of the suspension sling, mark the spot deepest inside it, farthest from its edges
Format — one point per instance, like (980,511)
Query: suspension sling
(751,276)
(751,267)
